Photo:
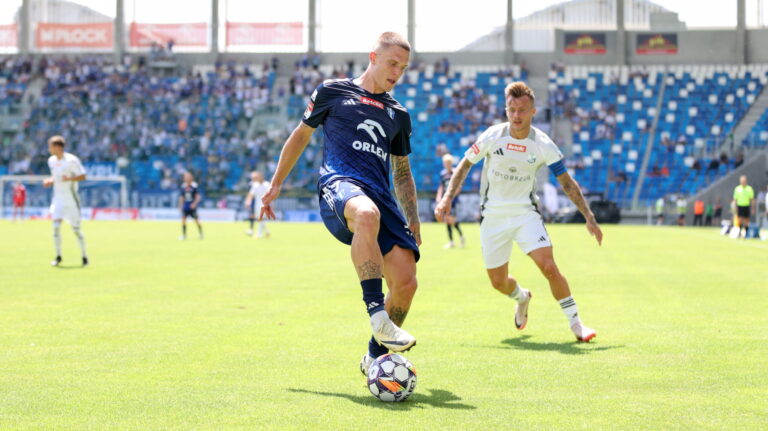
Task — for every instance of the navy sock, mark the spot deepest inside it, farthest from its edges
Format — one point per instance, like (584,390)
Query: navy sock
(251,220)
(184,229)
(375,349)
(450,232)
(458,229)
(372,295)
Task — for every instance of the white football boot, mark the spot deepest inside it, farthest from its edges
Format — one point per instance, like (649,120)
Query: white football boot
(365,363)
(390,335)
(583,333)
(521,310)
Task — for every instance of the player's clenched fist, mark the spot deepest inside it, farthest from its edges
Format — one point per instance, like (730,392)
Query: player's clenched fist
(266,209)
(442,209)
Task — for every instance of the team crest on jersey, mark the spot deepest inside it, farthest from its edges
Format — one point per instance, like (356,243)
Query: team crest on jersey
(512,169)
(391,112)
(531,158)
(517,147)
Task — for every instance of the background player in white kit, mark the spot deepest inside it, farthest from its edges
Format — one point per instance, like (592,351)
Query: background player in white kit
(66,172)
(258,189)
(513,153)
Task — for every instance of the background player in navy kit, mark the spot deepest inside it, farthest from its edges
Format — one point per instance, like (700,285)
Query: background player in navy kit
(450,219)
(365,131)
(188,202)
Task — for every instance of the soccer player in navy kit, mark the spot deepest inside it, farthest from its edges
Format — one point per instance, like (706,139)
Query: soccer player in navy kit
(189,199)
(365,131)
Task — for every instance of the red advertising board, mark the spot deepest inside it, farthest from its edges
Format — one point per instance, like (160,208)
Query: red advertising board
(265,33)
(190,34)
(88,35)
(8,35)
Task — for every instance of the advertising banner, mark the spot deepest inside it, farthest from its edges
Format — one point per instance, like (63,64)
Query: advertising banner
(585,43)
(191,34)
(90,35)
(657,44)
(8,35)
(265,33)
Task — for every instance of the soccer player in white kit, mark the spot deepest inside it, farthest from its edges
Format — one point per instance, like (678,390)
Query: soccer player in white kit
(513,152)
(66,172)
(258,189)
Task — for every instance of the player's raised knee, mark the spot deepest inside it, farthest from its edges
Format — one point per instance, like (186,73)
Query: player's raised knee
(366,218)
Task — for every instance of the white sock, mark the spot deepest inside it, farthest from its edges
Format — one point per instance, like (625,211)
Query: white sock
(519,293)
(263,228)
(570,310)
(80,239)
(57,236)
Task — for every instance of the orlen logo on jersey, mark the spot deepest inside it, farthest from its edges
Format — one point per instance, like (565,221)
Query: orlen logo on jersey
(371,102)
(370,127)
(516,147)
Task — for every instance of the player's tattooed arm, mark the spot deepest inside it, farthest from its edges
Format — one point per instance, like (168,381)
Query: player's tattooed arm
(573,191)
(457,179)
(405,188)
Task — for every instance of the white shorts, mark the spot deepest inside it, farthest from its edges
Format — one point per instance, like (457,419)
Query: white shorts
(497,234)
(68,212)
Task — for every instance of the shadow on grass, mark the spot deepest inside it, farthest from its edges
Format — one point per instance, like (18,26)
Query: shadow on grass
(437,398)
(62,266)
(566,348)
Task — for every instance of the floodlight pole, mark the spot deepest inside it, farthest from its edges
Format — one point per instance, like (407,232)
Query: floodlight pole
(119,32)
(621,35)
(509,35)
(24,27)
(741,32)
(412,24)
(312,30)
(214,26)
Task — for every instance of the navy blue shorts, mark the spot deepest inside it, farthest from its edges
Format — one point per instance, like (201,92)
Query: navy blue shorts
(393,230)
(189,212)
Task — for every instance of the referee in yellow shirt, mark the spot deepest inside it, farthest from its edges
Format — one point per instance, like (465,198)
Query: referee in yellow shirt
(744,197)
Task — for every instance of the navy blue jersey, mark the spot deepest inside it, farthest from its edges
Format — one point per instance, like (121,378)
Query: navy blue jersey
(361,130)
(189,193)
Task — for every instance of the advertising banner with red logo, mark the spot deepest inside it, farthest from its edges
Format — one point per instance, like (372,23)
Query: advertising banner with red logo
(8,35)
(265,33)
(89,35)
(664,43)
(585,43)
(192,34)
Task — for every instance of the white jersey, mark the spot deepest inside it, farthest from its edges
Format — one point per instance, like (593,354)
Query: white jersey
(258,190)
(508,183)
(65,192)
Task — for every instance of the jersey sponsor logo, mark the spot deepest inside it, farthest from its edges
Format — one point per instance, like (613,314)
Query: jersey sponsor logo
(517,147)
(508,177)
(370,148)
(369,126)
(309,109)
(369,101)
(349,102)
(475,149)
(314,94)
(499,152)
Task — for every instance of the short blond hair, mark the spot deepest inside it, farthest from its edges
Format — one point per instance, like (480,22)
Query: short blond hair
(390,38)
(519,89)
(57,140)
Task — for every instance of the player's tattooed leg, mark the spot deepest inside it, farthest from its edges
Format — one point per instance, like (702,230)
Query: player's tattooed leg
(368,270)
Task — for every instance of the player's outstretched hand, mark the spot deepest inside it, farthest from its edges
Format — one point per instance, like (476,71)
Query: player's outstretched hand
(47,182)
(266,200)
(442,209)
(594,229)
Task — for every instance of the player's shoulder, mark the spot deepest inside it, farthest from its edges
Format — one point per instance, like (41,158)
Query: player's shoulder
(496,131)
(334,85)
(71,157)
(540,137)
(193,185)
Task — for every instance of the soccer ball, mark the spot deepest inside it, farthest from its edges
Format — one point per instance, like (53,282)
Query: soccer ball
(391,378)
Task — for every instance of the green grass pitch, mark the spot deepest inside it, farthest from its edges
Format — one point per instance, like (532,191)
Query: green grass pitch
(236,333)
